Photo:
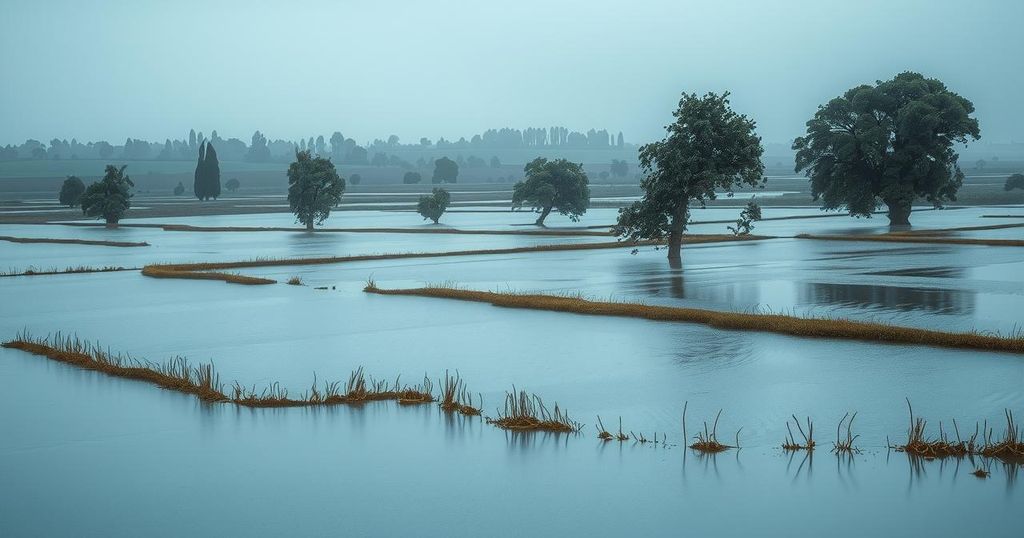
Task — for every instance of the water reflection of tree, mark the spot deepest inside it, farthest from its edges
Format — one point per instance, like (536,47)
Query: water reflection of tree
(904,299)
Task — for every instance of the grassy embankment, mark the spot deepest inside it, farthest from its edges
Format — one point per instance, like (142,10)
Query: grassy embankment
(214,270)
(767,322)
(73,241)
(914,238)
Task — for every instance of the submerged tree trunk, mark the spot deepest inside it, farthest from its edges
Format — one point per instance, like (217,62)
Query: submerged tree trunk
(675,236)
(111,223)
(899,212)
(543,215)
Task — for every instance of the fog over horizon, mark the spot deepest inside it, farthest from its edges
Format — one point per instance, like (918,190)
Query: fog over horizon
(95,71)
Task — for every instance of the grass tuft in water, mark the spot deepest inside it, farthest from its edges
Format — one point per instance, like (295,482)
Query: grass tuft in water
(526,412)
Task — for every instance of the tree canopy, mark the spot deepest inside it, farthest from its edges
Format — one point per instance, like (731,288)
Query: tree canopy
(179,189)
(411,178)
(445,171)
(708,148)
(314,187)
(432,206)
(232,185)
(1015,181)
(557,185)
(890,143)
(110,197)
(207,176)
(71,191)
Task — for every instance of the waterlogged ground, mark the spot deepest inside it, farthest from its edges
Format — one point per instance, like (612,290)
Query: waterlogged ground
(122,458)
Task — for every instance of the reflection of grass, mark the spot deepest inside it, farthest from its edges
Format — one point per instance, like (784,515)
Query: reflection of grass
(913,238)
(527,412)
(73,241)
(778,323)
(211,270)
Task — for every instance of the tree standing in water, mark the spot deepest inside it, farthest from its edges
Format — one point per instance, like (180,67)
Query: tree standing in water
(708,148)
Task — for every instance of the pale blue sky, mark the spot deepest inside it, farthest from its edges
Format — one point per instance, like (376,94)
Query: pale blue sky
(110,70)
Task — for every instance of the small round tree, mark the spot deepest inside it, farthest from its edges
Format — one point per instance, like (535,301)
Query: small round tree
(557,185)
(434,205)
(108,198)
(355,179)
(1016,181)
(71,191)
(179,189)
(314,187)
(232,185)
(445,171)
(411,178)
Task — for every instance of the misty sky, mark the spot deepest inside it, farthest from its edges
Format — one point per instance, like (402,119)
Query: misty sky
(110,70)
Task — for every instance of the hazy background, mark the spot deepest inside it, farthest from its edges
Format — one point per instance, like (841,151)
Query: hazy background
(109,70)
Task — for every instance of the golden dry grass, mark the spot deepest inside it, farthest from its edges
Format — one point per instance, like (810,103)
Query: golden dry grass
(527,412)
(295,281)
(213,270)
(73,241)
(1009,448)
(706,441)
(913,238)
(767,322)
(202,380)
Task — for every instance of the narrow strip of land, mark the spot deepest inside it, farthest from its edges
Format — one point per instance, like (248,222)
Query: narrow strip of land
(73,241)
(909,238)
(69,270)
(777,323)
(211,271)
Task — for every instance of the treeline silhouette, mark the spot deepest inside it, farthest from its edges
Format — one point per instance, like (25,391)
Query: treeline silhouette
(339,148)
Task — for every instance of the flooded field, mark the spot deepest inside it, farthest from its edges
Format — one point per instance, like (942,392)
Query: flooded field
(104,440)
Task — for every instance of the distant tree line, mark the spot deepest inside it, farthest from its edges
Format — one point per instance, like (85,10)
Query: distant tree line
(340,149)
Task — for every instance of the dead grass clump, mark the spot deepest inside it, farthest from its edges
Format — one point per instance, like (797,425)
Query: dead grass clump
(602,433)
(176,374)
(920,445)
(455,398)
(751,321)
(295,281)
(74,241)
(527,412)
(1010,447)
(417,394)
(707,440)
(808,437)
(845,445)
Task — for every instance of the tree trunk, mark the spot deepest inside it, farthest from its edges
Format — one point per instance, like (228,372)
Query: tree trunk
(543,215)
(111,223)
(675,236)
(309,226)
(899,212)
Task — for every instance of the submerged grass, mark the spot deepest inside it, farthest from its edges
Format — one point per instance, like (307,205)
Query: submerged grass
(527,412)
(211,271)
(914,238)
(845,445)
(792,444)
(768,322)
(74,241)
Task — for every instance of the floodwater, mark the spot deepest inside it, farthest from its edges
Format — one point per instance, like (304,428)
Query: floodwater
(82,454)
